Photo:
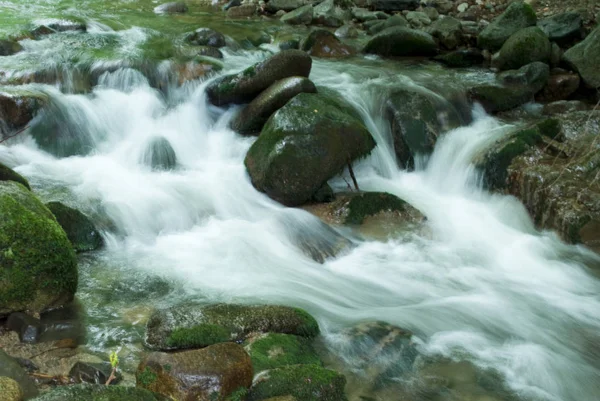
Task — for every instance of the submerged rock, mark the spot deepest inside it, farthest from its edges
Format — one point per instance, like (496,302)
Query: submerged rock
(214,372)
(194,326)
(10,368)
(324,44)
(206,37)
(79,228)
(526,46)
(9,47)
(246,85)
(8,174)
(398,42)
(304,144)
(302,15)
(517,16)
(304,382)
(160,155)
(461,58)
(97,392)
(584,58)
(38,269)
(251,118)
(495,98)
(176,7)
(272,350)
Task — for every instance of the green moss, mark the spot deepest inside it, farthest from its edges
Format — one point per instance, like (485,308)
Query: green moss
(305,382)
(276,350)
(309,326)
(146,377)
(158,48)
(8,174)
(524,47)
(371,203)
(238,395)
(41,270)
(198,336)
(88,392)
(551,128)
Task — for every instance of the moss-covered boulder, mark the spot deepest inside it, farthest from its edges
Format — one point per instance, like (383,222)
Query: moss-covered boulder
(10,389)
(376,26)
(584,58)
(304,382)
(562,28)
(79,228)
(303,145)
(448,31)
(10,368)
(160,155)
(368,204)
(525,46)
(534,76)
(417,118)
(8,174)
(461,58)
(495,98)
(399,42)
(518,15)
(38,269)
(195,326)
(246,85)
(300,16)
(9,47)
(214,372)
(206,37)
(273,350)
(324,44)
(250,120)
(97,392)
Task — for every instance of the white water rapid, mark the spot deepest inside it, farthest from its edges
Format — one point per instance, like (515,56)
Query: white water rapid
(480,283)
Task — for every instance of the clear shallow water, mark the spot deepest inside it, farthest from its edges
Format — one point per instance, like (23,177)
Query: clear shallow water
(478,284)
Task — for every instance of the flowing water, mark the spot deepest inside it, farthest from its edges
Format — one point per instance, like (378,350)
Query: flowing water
(477,283)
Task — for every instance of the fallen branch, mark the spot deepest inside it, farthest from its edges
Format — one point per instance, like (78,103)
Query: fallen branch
(15,134)
(353,176)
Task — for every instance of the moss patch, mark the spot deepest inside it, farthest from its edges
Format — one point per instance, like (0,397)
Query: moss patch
(370,204)
(198,336)
(8,174)
(276,350)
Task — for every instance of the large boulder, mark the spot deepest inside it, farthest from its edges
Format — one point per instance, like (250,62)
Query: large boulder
(193,326)
(517,16)
(273,350)
(562,28)
(324,44)
(38,268)
(246,85)
(524,47)
(98,392)
(300,16)
(79,228)
(398,42)
(176,7)
(448,31)
(417,119)
(251,118)
(584,58)
(393,5)
(304,382)
(10,368)
(160,155)
(9,47)
(534,75)
(214,372)
(8,174)
(304,144)
(207,37)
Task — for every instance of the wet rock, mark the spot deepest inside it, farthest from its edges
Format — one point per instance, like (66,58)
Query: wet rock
(243,11)
(417,119)
(271,350)
(39,269)
(367,204)
(198,68)
(160,155)
(209,52)
(79,228)
(320,242)
(246,85)
(398,42)
(362,14)
(9,47)
(560,86)
(328,14)
(517,16)
(443,6)
(274,6)
(394,21)
(232,3)
(193,326)
(214,372)
(418,19)
(41,31)
(28,327)
(347,31)
(524,47)
(176,7)
(8,174)
(300,16)
(93,373)
(394,5)
(98,392)
(10,368)
(251,118)
(461,58)
(495,98)
(17,109)
(584,58)
(304,382)
(10,389)
(562,28)
(432,13)
(289,44)
(448,31)
(324,44)
(564,106)
(63,325)
(534,76)
(206,37)
(65,25)
(303,145)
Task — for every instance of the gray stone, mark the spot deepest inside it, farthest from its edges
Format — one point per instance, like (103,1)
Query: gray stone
(517,16)
(562,28)
(300,16)
(448,31)
(584,58)
(398,42)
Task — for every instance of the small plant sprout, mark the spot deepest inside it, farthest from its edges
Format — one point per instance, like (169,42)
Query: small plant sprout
(114,363)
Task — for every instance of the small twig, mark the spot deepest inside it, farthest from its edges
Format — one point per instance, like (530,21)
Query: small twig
(353,176)
(15,134)
(112,376)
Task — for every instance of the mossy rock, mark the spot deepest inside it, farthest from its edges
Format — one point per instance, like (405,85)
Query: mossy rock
(38,268)
(376,26)
(518,15)
(368,204)
(10,389)
(300,16)
(246,85)
(8,174)
(9,47)
(304,382)
(324,44)
(402,42)
(461,58)
(79,228)
(302,146)
(10,368)
(584,58)
(98,392)
(273,350)
(206,37)
(195,326)
(525,46)
(495,98)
